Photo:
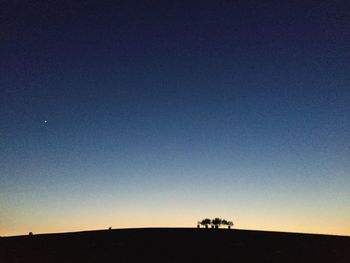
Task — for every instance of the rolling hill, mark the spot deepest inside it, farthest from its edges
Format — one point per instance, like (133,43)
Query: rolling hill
(175,245)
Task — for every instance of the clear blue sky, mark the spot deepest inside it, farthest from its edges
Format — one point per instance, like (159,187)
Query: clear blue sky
(160,114)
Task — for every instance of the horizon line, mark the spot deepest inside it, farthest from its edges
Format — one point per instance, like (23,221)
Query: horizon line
(150,227)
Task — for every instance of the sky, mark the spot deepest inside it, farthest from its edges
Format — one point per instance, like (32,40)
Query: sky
(162,113)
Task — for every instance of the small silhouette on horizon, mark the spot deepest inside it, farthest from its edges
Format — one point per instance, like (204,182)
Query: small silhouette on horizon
(215,223)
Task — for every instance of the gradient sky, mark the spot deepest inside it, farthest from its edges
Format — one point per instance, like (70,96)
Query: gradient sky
(161,113)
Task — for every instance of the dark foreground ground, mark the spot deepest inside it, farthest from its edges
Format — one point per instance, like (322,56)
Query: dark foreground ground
(175,245)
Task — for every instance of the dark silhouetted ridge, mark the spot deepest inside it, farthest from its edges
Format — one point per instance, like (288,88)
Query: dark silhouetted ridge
(175,245)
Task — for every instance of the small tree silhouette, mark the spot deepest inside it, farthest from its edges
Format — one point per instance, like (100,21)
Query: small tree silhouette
(227,223)
(216,222)
(205,222)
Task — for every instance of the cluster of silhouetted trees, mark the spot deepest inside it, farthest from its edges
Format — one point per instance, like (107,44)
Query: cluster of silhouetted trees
(214,223)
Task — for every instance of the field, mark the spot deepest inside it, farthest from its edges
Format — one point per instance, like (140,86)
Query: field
(175,245)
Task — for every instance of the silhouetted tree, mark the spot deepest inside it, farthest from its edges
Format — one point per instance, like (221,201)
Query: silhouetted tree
(205,222)
(216,222)
(227,223)
(30,233)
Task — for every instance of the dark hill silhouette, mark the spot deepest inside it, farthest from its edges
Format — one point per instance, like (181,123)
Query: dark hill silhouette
(175,245)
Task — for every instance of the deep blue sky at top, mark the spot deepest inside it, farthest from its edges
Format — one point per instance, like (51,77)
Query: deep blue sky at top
(171,84)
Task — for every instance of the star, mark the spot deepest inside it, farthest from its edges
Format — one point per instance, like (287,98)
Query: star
(45,121)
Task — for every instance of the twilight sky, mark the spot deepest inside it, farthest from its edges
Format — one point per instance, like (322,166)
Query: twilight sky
(161,113)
